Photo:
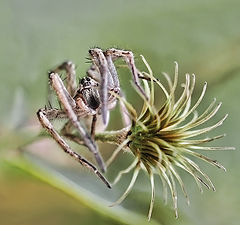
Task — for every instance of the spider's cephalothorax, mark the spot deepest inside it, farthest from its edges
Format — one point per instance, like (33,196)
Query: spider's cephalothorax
(90,101)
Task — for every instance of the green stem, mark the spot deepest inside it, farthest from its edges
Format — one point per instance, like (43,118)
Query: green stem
(113,137)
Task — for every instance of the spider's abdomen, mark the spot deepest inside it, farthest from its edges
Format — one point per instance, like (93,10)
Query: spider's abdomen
(91,98)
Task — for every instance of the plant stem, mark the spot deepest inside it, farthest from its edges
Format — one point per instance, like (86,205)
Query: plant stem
(113,137)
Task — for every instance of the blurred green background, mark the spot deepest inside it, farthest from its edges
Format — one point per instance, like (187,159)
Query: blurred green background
(202,36)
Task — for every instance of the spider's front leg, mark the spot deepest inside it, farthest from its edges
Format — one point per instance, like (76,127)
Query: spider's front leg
(104,62)
(69,104)
(129,59)
(42,116)
(71,84)
(69,68)
(109,78)
(101,63)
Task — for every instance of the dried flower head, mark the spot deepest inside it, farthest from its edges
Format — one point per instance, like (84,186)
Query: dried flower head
(163,139)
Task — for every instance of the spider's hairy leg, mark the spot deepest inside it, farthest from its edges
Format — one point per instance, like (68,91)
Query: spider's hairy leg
(66,148)
(100,61)
(115,85)
(129,59)
(93,125)
(69,68)
(64,98)
(67,128)
(124,112)
(53,114)
(71,84)
(66,131)
(94,73)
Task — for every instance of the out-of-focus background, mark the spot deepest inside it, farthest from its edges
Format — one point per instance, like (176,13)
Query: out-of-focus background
(202,36)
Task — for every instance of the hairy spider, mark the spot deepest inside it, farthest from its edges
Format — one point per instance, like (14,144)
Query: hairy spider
(90,99)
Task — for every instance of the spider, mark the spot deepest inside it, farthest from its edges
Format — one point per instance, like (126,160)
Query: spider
(91,98)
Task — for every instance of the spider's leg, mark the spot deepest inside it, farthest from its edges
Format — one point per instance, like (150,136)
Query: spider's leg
(66,131)
(124,112)
(93,126)
(129,59)
(115,85)
(101,63)
(94,73)
(67,128)
(65,98)
(69,68)
(66,148)
(53,114)
(116,88)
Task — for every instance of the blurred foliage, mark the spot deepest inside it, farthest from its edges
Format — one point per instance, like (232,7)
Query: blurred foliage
(203,36)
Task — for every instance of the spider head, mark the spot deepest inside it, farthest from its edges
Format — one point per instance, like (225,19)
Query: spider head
(87,82)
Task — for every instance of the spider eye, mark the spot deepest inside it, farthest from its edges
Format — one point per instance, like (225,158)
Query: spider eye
(90,51)
(88,79)
(82,81)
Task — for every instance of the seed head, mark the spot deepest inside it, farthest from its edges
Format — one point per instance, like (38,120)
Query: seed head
(163,139)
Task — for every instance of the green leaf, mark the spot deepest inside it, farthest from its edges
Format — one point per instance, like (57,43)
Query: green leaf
(68,182)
